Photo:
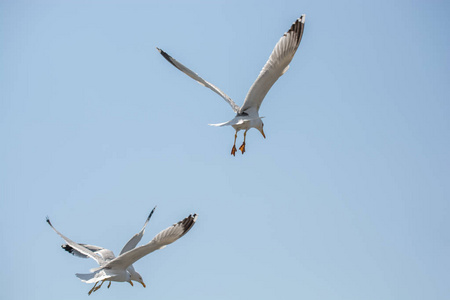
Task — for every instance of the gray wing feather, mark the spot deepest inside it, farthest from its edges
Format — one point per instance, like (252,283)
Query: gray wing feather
(161,240)
(276,66)
(78,247)
(200,80)
(132,243)
(76,253)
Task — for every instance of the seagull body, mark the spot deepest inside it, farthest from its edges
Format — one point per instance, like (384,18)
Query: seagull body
(117,268)
(247,116)
(108,255)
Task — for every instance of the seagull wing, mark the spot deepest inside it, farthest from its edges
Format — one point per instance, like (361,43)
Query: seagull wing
(79,248)
(76,253)
(200,80)
(276,66)
(105,253)
(132,243)
(162,239)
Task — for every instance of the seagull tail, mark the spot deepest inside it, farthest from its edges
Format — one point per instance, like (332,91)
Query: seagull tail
(231,122)
(95,269)
(235,121)
(93,277)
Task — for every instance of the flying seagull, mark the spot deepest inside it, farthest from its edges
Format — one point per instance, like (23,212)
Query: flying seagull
(247,115)
(109,255)
(116,269)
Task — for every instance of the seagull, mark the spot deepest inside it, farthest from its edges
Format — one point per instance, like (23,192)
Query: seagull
(116,269)
(247,116)
(108,255)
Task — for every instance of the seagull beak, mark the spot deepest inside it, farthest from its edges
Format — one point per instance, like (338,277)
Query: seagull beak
(143,284)
(262,132)
(130,282)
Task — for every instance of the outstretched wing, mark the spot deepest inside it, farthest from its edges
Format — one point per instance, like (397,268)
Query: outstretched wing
(162,239)
(276,66)
(200,80)
(132,243)
(78,247)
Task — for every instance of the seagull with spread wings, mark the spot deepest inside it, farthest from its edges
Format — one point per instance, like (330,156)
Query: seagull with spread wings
(117,268)
(247,116)
(109,255)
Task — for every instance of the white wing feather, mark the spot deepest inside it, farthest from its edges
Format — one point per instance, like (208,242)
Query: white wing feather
(132,243)
(78,247)
(200,80)
(106,254)
(161,240)
(276,66)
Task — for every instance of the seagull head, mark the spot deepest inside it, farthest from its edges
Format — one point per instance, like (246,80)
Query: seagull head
(138,278)
(260,128)
(128,279)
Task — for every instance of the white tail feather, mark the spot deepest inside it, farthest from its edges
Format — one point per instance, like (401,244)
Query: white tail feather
(95,269)
(235,121)
(231,122)
(93,277)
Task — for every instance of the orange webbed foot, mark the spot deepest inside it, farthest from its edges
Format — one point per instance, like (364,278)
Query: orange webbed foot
(233,150)
(242,148)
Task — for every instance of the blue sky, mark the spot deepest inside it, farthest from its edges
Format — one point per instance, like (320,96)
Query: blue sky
(347,198)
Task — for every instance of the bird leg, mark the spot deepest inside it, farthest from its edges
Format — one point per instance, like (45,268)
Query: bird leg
(233,150)
(109,284)
(94,289)
(242,147)
(91,290)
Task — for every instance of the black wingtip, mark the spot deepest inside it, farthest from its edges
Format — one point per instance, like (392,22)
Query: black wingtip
(188,223)
(297,29)
(48,221)
(302,18)
(67,248)
(170,59)
(151,213)
(195,217)
(164,54)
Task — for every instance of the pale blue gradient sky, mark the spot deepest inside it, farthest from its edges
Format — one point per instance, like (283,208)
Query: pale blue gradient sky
(347,198)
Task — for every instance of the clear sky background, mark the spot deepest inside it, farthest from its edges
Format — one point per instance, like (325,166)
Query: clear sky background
(347,198)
